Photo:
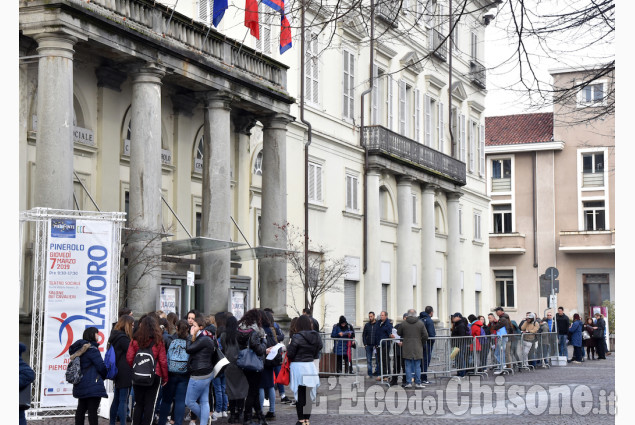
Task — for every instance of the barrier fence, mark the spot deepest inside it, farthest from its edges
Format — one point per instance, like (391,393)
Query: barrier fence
(339,356)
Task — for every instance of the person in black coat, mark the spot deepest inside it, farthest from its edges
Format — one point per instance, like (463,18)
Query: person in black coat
(236,383)
(27,376)
(460,329)
(426,317)
(250,333)
(91,388)
(384,332)
(598,335)
(120,339)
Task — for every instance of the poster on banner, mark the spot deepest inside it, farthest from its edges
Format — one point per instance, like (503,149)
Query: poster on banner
(167,302)
(79,279)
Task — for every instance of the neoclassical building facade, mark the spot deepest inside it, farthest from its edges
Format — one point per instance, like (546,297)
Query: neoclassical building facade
(194,133)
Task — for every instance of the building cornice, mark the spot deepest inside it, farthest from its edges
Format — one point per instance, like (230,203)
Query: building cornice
(524,147)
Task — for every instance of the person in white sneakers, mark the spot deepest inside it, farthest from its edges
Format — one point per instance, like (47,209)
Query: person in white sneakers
(414,335)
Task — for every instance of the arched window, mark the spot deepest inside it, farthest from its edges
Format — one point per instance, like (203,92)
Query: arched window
(166,154)
(198,155)
(383,203)
(258,164)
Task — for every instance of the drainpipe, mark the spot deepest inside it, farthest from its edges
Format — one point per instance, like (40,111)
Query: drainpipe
(306,166)
(533,192)
(453,152)
(361,133)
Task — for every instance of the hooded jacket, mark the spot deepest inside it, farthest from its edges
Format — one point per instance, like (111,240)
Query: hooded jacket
(93,370)
(414,334)
(529,329)
(475,331)
(342,348)
(120,342)
(576,333)
(254,337)
(305,346)
(427,320)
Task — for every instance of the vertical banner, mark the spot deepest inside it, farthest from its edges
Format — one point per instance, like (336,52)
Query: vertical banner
(79,279)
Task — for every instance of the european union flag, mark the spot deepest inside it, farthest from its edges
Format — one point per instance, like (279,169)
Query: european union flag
(219,11)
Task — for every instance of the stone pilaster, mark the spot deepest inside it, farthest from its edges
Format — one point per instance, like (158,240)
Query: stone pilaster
(273,271)
(428,248)
(216,221)
(405,258)
(144,270)
(454,256)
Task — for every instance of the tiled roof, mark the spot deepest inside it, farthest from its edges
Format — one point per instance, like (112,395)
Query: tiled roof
(519,129)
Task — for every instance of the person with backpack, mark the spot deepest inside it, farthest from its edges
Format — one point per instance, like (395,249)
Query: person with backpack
(176,388)
(200,346)
(236,383)
(146,355)
(475,347)
(88,379)
(119,340)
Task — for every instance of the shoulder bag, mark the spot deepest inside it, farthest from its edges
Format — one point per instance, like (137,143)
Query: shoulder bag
(248,360)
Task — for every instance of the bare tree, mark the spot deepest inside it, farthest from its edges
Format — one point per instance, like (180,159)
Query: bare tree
(325,271)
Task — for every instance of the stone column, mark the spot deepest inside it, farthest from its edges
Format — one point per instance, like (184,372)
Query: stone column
(372,277)
(215,220)
(428,249)
(454,256)
(243,123)
(273,271)
(54,152)
(404,247)
(144,270)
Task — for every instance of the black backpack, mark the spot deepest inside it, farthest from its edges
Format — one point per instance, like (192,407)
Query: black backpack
(143,367)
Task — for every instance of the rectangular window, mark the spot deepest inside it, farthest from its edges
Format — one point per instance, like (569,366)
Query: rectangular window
(403,104)
(501,175)
(594,218)
(376,96)
(481,140)
(460,220)
(505,293)
(351,193)
(477,225)
(205,11)
(593,169)
(416,118)
(592,95)
(474,46)
(502,218)
(462,136)
(455,36)
(349,86)
(427,139)
(350,300)
(199,217)
(440,127)
(315,182)
(311,83)
(414,209)
(389,101)
(264,43)
(472,137)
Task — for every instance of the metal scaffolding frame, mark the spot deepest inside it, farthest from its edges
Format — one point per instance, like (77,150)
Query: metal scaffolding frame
(39,232)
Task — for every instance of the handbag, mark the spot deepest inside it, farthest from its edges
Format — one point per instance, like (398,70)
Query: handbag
(219,361)
(283,377)
(248,360)
(585,335)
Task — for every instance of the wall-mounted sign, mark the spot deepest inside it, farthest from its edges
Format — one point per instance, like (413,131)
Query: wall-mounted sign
(84,136)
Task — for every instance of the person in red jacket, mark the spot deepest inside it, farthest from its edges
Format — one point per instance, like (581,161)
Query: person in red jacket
(475,331)
(148,335)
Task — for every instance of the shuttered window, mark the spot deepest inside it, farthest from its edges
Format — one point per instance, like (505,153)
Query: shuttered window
(481,142)
(350,301)
(315,182)
(402,108)
(427,110)
(462,136)
(384,297)
(389,101)
(311,82)
(349,86)
(472,154)
(440,128)
(351,193)
(376,96)
(205,10)
(417,115)
(263,44)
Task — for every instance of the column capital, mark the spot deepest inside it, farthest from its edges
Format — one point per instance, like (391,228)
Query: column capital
(147,73)
(243,122)
(404,180)
(453,196)
(430,188)
(276,121)
(55,43)
(374,170)
(218,99)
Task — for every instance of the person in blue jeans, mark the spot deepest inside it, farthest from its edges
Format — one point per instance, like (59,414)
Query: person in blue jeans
(220,396)
(119,339)
(200,347)
(176,388)
(369,338)
(426,317)
(562,323)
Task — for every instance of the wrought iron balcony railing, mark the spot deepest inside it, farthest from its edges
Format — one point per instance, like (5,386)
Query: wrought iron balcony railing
(477,73)
(387,11)
(438,44)
(380,140)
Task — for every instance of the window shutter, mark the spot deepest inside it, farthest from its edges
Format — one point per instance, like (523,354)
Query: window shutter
(315,73)
(474,46)
(318,183)
(389,101)
(375,94)
(427,140)
(349,192)
(308,81)
(312,182)
(417,114)
(267,33)
(472,144)
(345,88)
(462,136)
(402,107)
(481,140)
(203,11)
(351,86)
(350,301)
(441,128)
(354,185)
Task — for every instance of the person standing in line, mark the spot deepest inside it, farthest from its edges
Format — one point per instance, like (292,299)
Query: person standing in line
(414,335)
(251,334)
(369,338)
(460,331)
(589,343)
(90,389)
(426,317)
(529,328)
(176,388)
(236,383)
(200,348)
(148,335)
(119,340)
(576,339)
(280,338)
(598,335)
(315,323)
(502,328)
(562,323)
(266,377)
(27,376)
(303,349)
(384,332)
(398,363)
(342,349)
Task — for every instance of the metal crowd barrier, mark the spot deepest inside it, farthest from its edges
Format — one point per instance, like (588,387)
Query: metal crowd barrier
(334,364)
(462,356)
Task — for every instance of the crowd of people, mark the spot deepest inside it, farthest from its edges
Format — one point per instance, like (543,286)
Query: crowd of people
(210,367)
(406,349)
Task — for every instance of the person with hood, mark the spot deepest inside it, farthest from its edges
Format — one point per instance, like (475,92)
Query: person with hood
(148,335)
(426,317)
(529,328)
(369,338)
(119,340)
(476,346)
(459,329)
(251,333)
(384,331)
(27,376)
(576,339)
(90,389)
(303,349)
(414,335)
(342,349)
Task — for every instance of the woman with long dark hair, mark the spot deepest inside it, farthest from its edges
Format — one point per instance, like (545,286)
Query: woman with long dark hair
(250,333)
(200,347)
(590,342)
(90,390)
(304,348)
(119,340)
(266,380)
(148,335)
(576,338)
(219,381)
(176,388)
(236,383)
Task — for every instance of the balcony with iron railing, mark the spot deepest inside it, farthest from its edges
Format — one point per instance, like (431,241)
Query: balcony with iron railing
(438,44)
(388,144)
(477,73)
(387,12)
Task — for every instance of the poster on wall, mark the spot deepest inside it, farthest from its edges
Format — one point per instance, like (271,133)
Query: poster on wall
(167,302)
(79,279)
(238,303)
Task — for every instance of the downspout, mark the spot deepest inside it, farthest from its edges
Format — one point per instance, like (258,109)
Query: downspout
(361,134)
(306,164)
(453,152)
(533,192)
